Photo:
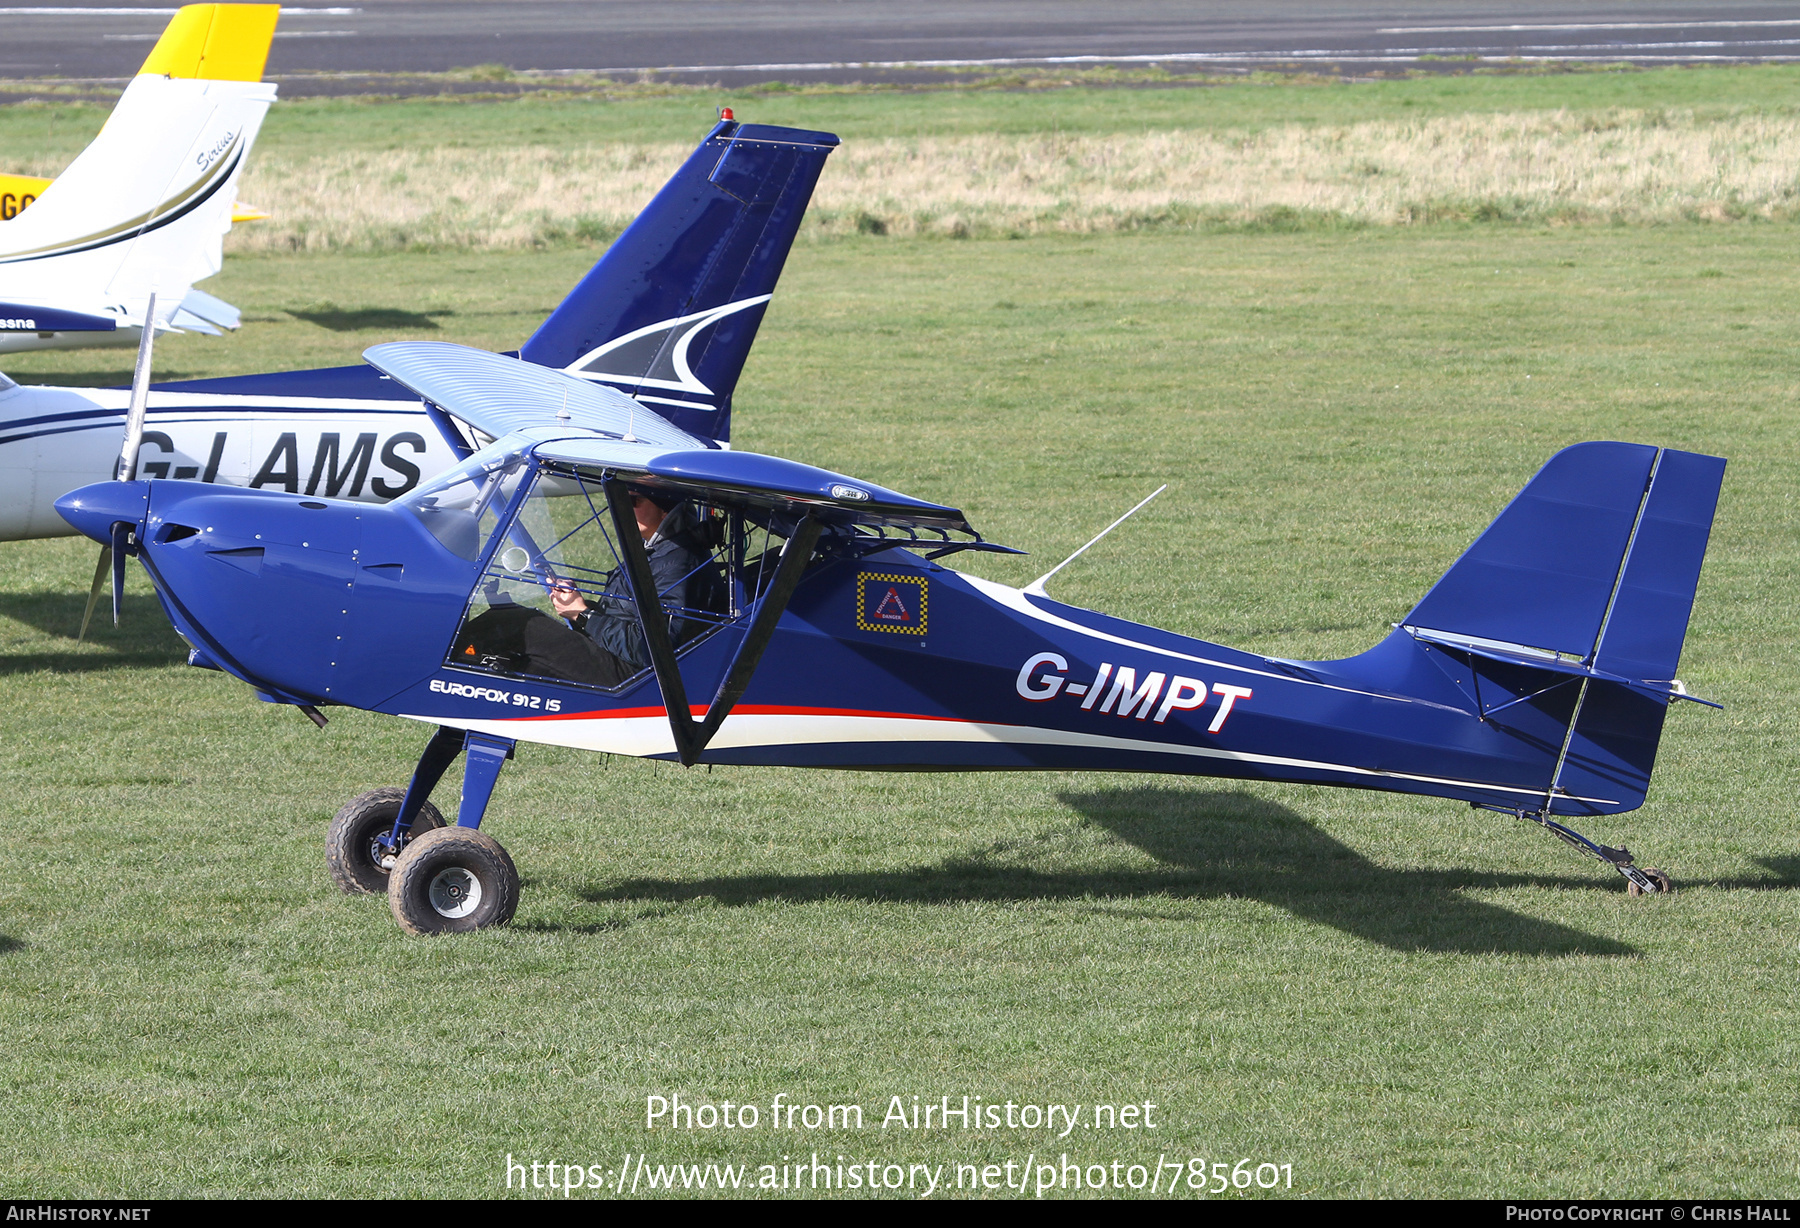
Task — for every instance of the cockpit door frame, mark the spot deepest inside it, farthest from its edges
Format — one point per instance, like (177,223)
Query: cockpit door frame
(691,736)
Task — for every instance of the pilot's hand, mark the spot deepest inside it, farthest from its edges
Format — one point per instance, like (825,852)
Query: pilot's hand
(568,602)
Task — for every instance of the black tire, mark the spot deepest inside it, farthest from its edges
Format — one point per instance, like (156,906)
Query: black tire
(451,881)
(1663,885)
(357,864)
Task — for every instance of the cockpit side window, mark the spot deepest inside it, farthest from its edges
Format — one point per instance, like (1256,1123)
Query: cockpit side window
(555,600)
(462,506)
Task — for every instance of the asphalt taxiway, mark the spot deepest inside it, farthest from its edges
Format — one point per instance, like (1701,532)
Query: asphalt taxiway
(743,41)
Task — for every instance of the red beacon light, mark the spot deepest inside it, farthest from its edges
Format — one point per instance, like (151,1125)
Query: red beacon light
(725,113)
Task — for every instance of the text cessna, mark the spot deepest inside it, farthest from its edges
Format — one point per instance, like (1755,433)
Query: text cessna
(1126,696)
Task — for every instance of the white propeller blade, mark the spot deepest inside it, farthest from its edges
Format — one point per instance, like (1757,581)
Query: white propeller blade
(140,398)
(126,469)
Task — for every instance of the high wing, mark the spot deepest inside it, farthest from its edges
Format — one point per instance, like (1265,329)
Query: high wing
(597,433)
(498,395)
(145,207)
(609,431)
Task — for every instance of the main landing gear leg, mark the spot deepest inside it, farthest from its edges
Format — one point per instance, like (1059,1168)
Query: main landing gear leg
(454,879)
(439,754)
(487,755)
(1642,880)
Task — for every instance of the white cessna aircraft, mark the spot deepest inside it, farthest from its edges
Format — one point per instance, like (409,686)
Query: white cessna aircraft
(667,316)
(144,208)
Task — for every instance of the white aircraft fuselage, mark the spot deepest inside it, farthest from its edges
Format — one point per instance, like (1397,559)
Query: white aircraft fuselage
(53,440)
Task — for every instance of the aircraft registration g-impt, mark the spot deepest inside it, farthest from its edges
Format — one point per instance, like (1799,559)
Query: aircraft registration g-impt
(597,569)
(668,314)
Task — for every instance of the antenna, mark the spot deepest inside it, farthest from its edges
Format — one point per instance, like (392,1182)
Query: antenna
(1036,587)
(562,415)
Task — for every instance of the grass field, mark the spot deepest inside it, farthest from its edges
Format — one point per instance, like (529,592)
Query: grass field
(1396,997)
(431,174)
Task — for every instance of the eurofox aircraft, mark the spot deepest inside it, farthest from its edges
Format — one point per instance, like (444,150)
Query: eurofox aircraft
(668,314)
(586,577)
(144,209)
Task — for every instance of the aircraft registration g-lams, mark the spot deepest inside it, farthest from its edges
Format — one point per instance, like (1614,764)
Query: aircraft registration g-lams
(668,314)
(598,568)
(143,210)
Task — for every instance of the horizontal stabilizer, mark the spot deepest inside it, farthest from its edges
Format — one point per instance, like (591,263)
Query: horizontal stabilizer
(1532,658)
(187,321)
(213,310)
(31,318)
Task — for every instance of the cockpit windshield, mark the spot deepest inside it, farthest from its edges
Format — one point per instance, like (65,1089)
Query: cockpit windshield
(461,506)
(556,600)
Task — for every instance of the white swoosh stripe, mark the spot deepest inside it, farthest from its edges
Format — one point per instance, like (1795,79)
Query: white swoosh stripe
(643,736)
(1016,599)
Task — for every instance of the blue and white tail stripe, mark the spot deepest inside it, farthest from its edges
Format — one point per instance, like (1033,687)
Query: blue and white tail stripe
(670,312)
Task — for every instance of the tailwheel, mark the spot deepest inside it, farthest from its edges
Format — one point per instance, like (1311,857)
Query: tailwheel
(1639,880)
(453,880)
(356,851)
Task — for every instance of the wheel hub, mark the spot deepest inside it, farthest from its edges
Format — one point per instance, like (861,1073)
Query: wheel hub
(454,893)
(382,856)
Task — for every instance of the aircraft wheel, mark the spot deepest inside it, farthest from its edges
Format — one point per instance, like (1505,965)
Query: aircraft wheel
(1663,885)
(357,863)
(453,880)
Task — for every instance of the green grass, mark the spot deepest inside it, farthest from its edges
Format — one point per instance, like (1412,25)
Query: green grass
(1398,997)
(320,126)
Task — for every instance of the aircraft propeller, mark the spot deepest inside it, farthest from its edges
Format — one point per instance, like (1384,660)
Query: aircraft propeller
(112,557)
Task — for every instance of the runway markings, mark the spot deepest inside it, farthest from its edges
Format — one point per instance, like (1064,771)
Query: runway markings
(156,12)
(1592,51)
(1588,25)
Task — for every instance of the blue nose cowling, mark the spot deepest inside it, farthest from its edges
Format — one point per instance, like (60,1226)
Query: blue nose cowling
(95,509)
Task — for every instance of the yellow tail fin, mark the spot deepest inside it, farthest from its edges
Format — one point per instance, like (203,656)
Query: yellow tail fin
(215,42)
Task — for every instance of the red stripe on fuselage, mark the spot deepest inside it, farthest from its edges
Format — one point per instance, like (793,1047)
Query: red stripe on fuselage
(699,712)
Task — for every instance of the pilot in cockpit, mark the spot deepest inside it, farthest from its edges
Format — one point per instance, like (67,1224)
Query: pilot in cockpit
(680,566)
(601,643)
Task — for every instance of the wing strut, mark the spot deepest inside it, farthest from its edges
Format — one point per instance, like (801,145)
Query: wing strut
(691,736)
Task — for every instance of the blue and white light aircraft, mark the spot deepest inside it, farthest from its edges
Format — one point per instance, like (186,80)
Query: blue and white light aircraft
(668,314)
(810,622)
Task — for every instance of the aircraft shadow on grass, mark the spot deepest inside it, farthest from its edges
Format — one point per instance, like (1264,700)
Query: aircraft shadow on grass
(8,945)
(142,638)
(354,319)
(1785,869)
(1210,845)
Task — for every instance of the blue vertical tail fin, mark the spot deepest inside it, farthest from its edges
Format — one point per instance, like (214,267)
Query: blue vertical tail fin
(669,313)
(1596,560)
(1565,619)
